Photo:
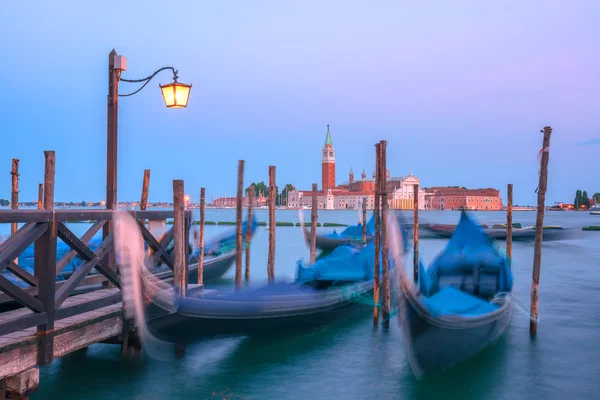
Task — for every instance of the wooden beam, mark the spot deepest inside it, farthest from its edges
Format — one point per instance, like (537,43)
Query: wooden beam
(313,224)
(20,295)
(248,230)
(376,209)
(22,274)
(271,257)
(23,384)
(89,305)
(17,359)
(9,216)
(22,322)
(509,223)
(364,220)
(201,240)
(17,243)
(164,243)
(41,196)
(416,233)
(155,245)
(238,226)
(179,247)
(71,254)
(385,267)
(14,198)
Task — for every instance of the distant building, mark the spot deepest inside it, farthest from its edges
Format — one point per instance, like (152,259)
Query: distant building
(455,198)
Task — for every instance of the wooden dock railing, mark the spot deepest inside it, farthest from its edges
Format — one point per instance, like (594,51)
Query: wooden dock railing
(42,294)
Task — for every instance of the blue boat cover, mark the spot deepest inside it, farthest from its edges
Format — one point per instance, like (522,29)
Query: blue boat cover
(470,262)
(345,263)
(451,301)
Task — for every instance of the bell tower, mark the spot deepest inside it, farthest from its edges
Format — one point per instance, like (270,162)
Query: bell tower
(328,164)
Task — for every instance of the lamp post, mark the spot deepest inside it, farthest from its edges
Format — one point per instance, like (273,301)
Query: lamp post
(175,95)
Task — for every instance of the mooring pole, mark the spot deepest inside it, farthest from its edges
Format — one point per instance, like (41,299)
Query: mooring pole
(377,235)
(416,233)
(41,196)
(271,259)
(14,196)
(201,239)
(384,242)
(313,224)
(145,188)
(249,229)
(179,245)
(238,226)
(364,220)
(509,223)
(539,231)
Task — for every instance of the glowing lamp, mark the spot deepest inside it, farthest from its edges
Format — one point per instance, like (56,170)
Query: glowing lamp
(176,94)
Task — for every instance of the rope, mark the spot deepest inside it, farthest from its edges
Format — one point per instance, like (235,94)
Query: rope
(519,305)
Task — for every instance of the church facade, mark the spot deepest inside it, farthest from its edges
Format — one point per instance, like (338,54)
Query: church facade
(353,193)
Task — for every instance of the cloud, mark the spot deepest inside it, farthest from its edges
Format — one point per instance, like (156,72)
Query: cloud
(591,142)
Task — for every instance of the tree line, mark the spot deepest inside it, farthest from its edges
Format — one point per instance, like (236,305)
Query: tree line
(582,199)
(260,188)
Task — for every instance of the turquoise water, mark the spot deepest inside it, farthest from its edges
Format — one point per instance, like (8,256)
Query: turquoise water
(351,359)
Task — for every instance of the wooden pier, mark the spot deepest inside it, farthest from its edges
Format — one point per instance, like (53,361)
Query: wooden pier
(51,318)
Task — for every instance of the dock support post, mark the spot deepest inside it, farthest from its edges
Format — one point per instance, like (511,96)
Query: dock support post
(45,267)
(249,229)
(313,224)
(271,259)
(416,233)
(41,196)
(364,220)
(22,385)
(384,242)
(179,245)
(14,195)
(201,239)
(509,223)
(377,236)
(539,230)
(238,226)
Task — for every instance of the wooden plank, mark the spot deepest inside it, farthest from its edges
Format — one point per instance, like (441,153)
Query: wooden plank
(9,216)
(18,359)
(74,340)
(69,310)
(155,245)
(154,214)
(23,322)
(17,243)
(83,215)
(66,289)
(20,295)
(87,236)
(33,291)
(24,275)
(164,243)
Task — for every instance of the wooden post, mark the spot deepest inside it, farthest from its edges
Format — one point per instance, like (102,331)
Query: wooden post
(238,228)
(271,259)
(14,196)
(313,224)
(364,220)
(45,267)
(41,196)
(509,223)
(416,233)
(377,236)
(179,272)
(145,187)
(384,242)
(539,231)
(249,229)
(201,240)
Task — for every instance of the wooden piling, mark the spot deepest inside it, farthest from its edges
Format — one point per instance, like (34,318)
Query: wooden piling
(385,315)
(364,220)
(509,223)
(313,224)
(201,239)
(416,233)
(14,195)
(539,231)
(41,196)
(377,237)
(45,266)
(249,229)
(271,259)
(238,228)
(145,188)
(179,245)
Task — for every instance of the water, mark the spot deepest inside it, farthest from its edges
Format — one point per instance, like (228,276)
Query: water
(351,360)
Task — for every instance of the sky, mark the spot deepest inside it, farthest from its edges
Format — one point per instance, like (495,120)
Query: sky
(460,90)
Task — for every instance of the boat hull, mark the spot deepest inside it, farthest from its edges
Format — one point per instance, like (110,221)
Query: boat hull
(433,344)
(198,318)
(329,243)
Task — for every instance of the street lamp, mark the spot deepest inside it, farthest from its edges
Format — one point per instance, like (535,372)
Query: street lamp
(175,95)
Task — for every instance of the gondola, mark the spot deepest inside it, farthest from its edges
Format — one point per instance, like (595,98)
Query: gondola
(461,304)
(321,294)
(351,235)
(518,234)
